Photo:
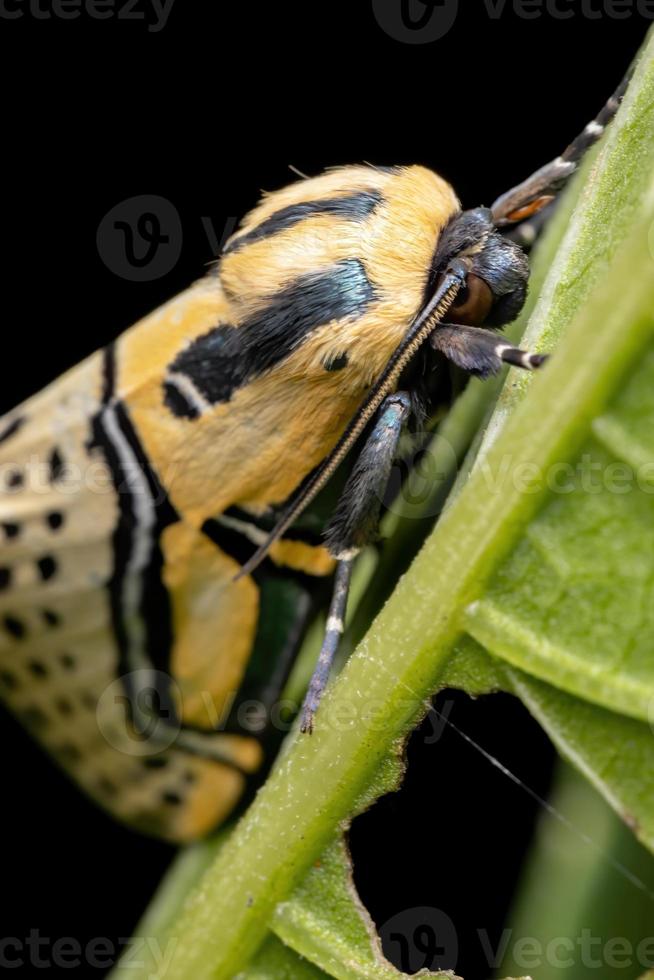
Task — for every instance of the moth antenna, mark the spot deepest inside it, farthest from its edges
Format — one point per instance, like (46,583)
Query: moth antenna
(538,190)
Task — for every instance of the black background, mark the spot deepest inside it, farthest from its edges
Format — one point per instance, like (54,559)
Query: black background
(205,113)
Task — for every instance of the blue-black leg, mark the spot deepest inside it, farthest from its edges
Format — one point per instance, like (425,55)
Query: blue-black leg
(354,525)
(331,640)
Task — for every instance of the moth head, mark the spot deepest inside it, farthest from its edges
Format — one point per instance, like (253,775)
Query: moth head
(496,284)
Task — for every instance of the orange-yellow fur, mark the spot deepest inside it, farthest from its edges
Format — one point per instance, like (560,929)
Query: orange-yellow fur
(255,449)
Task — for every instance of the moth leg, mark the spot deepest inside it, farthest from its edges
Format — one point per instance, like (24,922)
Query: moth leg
(481,352)
(353,525)
(331,640)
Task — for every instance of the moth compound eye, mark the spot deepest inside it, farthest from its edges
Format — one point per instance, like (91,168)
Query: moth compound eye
(473,303)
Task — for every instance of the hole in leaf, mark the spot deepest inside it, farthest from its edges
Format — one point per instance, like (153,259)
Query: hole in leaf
(437,863)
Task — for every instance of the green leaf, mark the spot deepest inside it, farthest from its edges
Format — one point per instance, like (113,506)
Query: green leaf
(616,754)
(573,603)
(325,920)
(274,961)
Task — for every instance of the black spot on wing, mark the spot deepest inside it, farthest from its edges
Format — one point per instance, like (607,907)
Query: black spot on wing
(68,753)
(50,617)
(56,465)
(9,680)
(64,707)
(106,787)
(227,357)
(171,798)
(14,626)
(15,479)
(355,207)
(47,567)
(12,428)
(54,519)
(34,718)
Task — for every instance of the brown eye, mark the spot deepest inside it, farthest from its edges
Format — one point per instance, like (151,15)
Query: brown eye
(473,303)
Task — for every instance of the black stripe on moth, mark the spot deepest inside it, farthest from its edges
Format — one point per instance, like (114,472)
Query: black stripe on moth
(12,428)
(179,404)
(108,373)
(112,431)
(354,207)
(228,357)
(266,522)
(238,546)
